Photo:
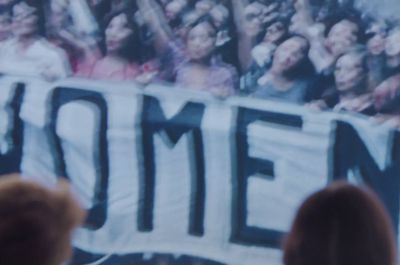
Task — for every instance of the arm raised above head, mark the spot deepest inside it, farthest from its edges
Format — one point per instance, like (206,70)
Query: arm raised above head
(155,19)
(246,40)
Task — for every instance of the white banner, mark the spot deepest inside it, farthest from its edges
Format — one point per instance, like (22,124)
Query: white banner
(166,170)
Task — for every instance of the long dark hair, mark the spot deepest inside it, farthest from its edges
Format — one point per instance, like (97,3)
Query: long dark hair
(132,50)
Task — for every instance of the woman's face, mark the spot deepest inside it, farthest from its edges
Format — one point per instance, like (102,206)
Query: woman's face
(290,53)
(341,37)
(274,33)
(25,20)
(117,33)
(376,44)
(392,47)
(200,41)
(349,72)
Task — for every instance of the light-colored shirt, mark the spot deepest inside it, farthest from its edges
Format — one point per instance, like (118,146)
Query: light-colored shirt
(39,59)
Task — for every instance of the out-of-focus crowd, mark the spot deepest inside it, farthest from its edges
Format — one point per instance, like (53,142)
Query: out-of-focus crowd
(325,54)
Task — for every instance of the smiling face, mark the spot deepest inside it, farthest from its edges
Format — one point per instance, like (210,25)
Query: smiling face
(118,33)
(200,41)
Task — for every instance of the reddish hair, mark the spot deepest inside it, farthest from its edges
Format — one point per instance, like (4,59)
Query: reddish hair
(36,222)
(341,225)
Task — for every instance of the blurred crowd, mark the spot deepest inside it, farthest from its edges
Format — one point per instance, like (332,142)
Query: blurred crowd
(325,54)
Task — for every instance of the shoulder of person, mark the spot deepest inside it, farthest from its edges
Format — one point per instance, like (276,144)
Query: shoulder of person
(48,49)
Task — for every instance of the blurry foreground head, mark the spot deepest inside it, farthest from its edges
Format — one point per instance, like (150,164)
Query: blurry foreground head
(341,225)
(36,223)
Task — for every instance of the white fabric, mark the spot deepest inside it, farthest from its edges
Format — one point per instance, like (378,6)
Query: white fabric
(40,59)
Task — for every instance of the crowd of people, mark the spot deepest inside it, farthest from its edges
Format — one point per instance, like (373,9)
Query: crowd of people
(325,54)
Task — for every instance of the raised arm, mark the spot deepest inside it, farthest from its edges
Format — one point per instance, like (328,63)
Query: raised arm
(246,39)
(154,17)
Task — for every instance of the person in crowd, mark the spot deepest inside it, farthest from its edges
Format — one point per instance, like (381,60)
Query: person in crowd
(351,79)
(195,68)
(376,35)
(36,223)
(120,57)
(174,9)
(387,94)
(351,88)
(341,224)
(392,52)
(275,33)
(291,73)
(324,52)
(29,53)
(200,70)
(248,18)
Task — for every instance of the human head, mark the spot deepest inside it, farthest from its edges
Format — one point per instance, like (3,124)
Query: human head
(253,15)
(392,46)
(341,224)
(173,9)
(200,40)
(220,15)
(36,222)
(121,36)
(342,36)
(183,25)
(275,32)
(351,72)
(28,19)
(376,39)
(290,56)
(204,6)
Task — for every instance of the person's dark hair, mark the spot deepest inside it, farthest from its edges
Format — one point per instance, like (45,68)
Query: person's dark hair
(341,224)
(203,19)
(353,17)
(133,48)
(361,52)
(40,7)
(284,21)
(305,68)
(36,223)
